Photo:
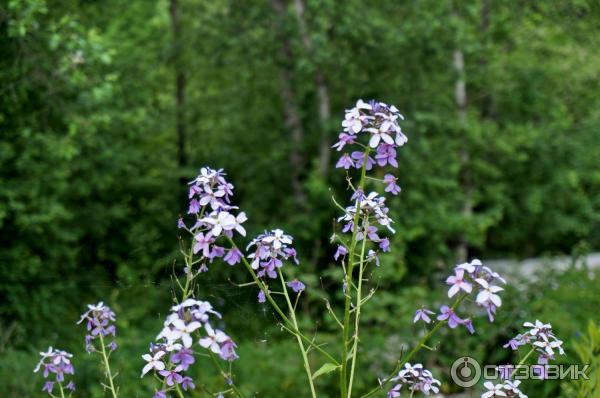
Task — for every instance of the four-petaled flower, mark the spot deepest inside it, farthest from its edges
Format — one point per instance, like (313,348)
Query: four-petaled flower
(488,293)
(154,362)
(493,390)
(458,283)
(213,339)
(422,314)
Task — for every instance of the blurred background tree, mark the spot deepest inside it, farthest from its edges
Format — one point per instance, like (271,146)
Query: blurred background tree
(107,108)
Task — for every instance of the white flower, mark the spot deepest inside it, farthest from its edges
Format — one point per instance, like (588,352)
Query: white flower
(488,293)
(277,239)
(470,267)
(45,355)
(239,219)
(537,327)
(379,135)
(183,331)
(549,346)
(458,283)
(513,387)
(154,362)
(493,390)
(213,339)
(401,139)
(221,221)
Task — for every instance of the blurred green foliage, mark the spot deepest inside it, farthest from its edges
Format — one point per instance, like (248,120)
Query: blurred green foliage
(91,182)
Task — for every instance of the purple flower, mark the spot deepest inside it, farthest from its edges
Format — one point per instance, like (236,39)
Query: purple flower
(469,325)
(395,391)
(100,321)
(345,162)
(216,252)
(228,350)
(160,394)
(172,376)
(422,314)
(513,343)
(371,234)
(384,244)
(386,154)
(359,159)
(344,139)
(203,243)
(187,383)
(341,251)
(391,186)
(416,378)
(296,285)
(55,363)
(70,386)
(233,256)
(183,357)
(447,314)
(194,207)
(48,386)
(180,223)
(261,296)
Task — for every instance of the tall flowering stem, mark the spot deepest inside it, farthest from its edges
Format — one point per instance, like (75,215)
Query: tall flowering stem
(100,323)
(54,365)
(376,125)
(298,338)
(191,321)
(348,283)
(107,371)
(357,307)
(287,323)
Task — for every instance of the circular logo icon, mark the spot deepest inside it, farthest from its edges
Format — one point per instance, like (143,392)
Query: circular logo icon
(465,372)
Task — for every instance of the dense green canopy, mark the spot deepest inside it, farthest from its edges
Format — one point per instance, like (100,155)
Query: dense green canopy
(108,107)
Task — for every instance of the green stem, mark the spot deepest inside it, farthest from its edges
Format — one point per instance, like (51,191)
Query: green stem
(300,344)
(62,392)
(346,327)
(286,320)
(225,375)
(189,260)
(416,349)
(107,367)
(522,361)
(179,392)
(358,306)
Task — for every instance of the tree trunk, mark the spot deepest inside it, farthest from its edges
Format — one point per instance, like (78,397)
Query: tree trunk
(460,98)
(291,111)
(180,83)
(324,103)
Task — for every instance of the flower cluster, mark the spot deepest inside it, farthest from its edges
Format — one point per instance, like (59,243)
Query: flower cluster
(172,354)
(541,338)
(371,207)
(270,250)
(210,202)
(476,276)
(100,321)
(416,379)
(508,389)
(467,279)
(378,122)
(55,364)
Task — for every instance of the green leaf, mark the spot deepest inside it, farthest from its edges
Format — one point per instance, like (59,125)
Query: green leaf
(326,368)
